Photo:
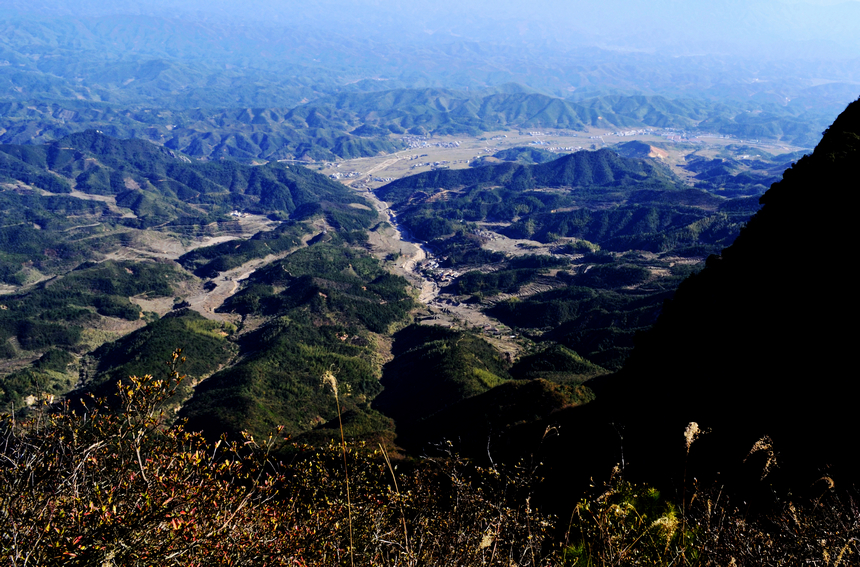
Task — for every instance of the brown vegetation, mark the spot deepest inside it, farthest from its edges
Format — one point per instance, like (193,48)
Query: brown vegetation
(104,487)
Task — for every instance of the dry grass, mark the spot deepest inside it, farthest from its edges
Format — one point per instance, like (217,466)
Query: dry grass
(627,524)
(102,487)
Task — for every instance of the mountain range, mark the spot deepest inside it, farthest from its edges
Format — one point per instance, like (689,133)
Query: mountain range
(364,124)
(322,301)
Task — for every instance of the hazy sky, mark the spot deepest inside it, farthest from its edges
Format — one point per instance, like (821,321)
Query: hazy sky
(754,28)
(774,50)
(822,26)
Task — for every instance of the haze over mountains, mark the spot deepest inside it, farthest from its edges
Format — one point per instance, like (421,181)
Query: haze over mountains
(671,48)
(679,27)
(349,79)
(547,237)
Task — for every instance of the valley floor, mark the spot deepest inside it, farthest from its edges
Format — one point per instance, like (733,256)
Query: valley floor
(456,152)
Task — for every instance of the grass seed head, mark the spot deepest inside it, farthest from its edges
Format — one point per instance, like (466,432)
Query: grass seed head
(693,432)
(329,380)
(765,445)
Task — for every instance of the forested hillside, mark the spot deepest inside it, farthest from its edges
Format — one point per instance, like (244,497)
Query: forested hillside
(139,185)
(91,226)
(353,125)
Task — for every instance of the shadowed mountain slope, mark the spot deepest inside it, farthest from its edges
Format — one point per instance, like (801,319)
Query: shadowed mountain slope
(759,342)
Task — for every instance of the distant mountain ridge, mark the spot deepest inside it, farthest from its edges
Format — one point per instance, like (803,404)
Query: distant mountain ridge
(352,124)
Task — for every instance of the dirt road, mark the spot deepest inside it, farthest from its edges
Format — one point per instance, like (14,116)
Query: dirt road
(403,256)
(226,284)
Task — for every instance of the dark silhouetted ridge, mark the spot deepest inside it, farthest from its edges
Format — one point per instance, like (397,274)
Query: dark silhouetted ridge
(760,341)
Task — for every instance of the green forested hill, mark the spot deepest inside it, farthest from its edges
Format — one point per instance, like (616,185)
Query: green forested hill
(653,227)
(136,184)
(204,345)
(352,124)
(526,155)
(102,165)
(72,207)
(64,315)
(153,180)
(600,169)
(208,261)
(325,308)
(619,203)
(435,368)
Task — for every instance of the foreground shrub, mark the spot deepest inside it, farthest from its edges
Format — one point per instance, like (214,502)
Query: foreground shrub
(113,484)
(627,524)
(98,486)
